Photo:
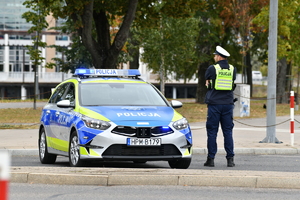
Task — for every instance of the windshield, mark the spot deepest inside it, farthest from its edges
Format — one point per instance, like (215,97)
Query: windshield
(119,94)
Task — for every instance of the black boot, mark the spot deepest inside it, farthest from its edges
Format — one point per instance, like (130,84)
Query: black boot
(209,162)
(230,162)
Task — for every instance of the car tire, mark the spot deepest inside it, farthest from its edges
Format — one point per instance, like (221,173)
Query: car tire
(45,157)
(74,151)
(183,163)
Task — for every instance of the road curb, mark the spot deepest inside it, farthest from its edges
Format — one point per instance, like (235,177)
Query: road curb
(157,179)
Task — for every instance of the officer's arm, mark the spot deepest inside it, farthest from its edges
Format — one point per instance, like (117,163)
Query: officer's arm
(209,76)
(207,83)
(234,74)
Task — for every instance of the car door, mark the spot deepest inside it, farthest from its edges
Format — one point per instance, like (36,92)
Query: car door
(65,117)
(53,111)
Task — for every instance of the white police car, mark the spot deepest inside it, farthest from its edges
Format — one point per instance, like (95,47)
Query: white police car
(112,114)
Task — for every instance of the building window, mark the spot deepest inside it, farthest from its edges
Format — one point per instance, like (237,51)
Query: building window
(17,56)
(62,37)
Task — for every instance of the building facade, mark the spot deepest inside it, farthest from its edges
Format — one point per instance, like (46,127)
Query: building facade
(16,69)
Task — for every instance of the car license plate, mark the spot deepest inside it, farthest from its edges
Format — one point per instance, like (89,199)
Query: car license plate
(143,141)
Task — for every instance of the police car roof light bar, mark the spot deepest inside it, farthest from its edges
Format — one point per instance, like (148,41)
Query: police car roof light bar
(107,72)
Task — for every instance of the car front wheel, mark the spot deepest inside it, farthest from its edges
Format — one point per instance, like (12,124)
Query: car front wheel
(74,151)
(45,157)
(182,163)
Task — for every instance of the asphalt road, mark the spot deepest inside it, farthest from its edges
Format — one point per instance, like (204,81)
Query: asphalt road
(20,191)
(276,163)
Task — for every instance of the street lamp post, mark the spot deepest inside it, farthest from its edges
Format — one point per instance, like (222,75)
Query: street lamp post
(272,72)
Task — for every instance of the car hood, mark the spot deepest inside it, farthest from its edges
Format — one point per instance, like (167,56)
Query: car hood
(136,115)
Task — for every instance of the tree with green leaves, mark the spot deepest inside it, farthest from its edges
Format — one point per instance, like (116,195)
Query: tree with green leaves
(238,15)
(37,17)
(209,35)
(169,44)
(90,22)
(172,47)
(228,24)
(288,42)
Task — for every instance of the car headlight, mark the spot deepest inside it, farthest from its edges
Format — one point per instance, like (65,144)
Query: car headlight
(181,124)
(95,123)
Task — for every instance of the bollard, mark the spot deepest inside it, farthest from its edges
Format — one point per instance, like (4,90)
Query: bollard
(4,174)
(292,123)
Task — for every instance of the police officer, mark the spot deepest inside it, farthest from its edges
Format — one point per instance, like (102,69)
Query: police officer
(219,99)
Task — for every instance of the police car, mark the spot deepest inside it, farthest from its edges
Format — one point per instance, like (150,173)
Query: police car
(112,114)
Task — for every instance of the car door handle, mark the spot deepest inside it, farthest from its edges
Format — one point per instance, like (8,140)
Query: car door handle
(57,113)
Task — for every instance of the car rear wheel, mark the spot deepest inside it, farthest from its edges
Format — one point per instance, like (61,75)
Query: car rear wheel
(183,163)
(74,151)
(45,157)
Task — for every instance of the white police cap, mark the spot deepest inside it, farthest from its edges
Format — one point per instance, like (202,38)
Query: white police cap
(222,52)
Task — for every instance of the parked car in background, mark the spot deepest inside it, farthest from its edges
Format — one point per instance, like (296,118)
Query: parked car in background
(256,76)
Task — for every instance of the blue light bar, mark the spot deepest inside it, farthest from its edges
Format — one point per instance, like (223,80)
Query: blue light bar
(107,72)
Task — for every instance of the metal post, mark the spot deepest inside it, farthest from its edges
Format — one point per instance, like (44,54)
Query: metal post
(174,92)
(35,74)
(162,68)
(272,72)
(23,65)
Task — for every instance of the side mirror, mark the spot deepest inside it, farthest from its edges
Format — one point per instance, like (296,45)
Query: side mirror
(176,104)
(64,104)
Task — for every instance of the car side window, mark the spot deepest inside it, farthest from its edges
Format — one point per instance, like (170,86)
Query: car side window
(58,93)
(70,94)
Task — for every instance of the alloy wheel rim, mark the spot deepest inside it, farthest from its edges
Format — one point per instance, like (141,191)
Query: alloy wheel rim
(42,145)
(74,151)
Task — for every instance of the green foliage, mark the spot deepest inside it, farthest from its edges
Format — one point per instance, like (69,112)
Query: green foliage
(74,55)
(210,33)
(36,17)
(94,46)
(74,12)
(288,27)
(172,47)
(178,35)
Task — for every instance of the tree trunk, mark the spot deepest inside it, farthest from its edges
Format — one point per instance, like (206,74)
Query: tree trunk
(134,53)
(289,78)
(86,34)
(104,55)
(121,37)
(201,88)
(281,81)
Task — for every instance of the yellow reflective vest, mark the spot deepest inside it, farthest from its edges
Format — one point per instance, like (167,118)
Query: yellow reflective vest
(223,78)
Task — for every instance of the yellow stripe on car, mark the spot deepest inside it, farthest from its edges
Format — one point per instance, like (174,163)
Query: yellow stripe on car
(83,151)
(187,152)
(176,116)
(93,153)
(92,114)
(58,144)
